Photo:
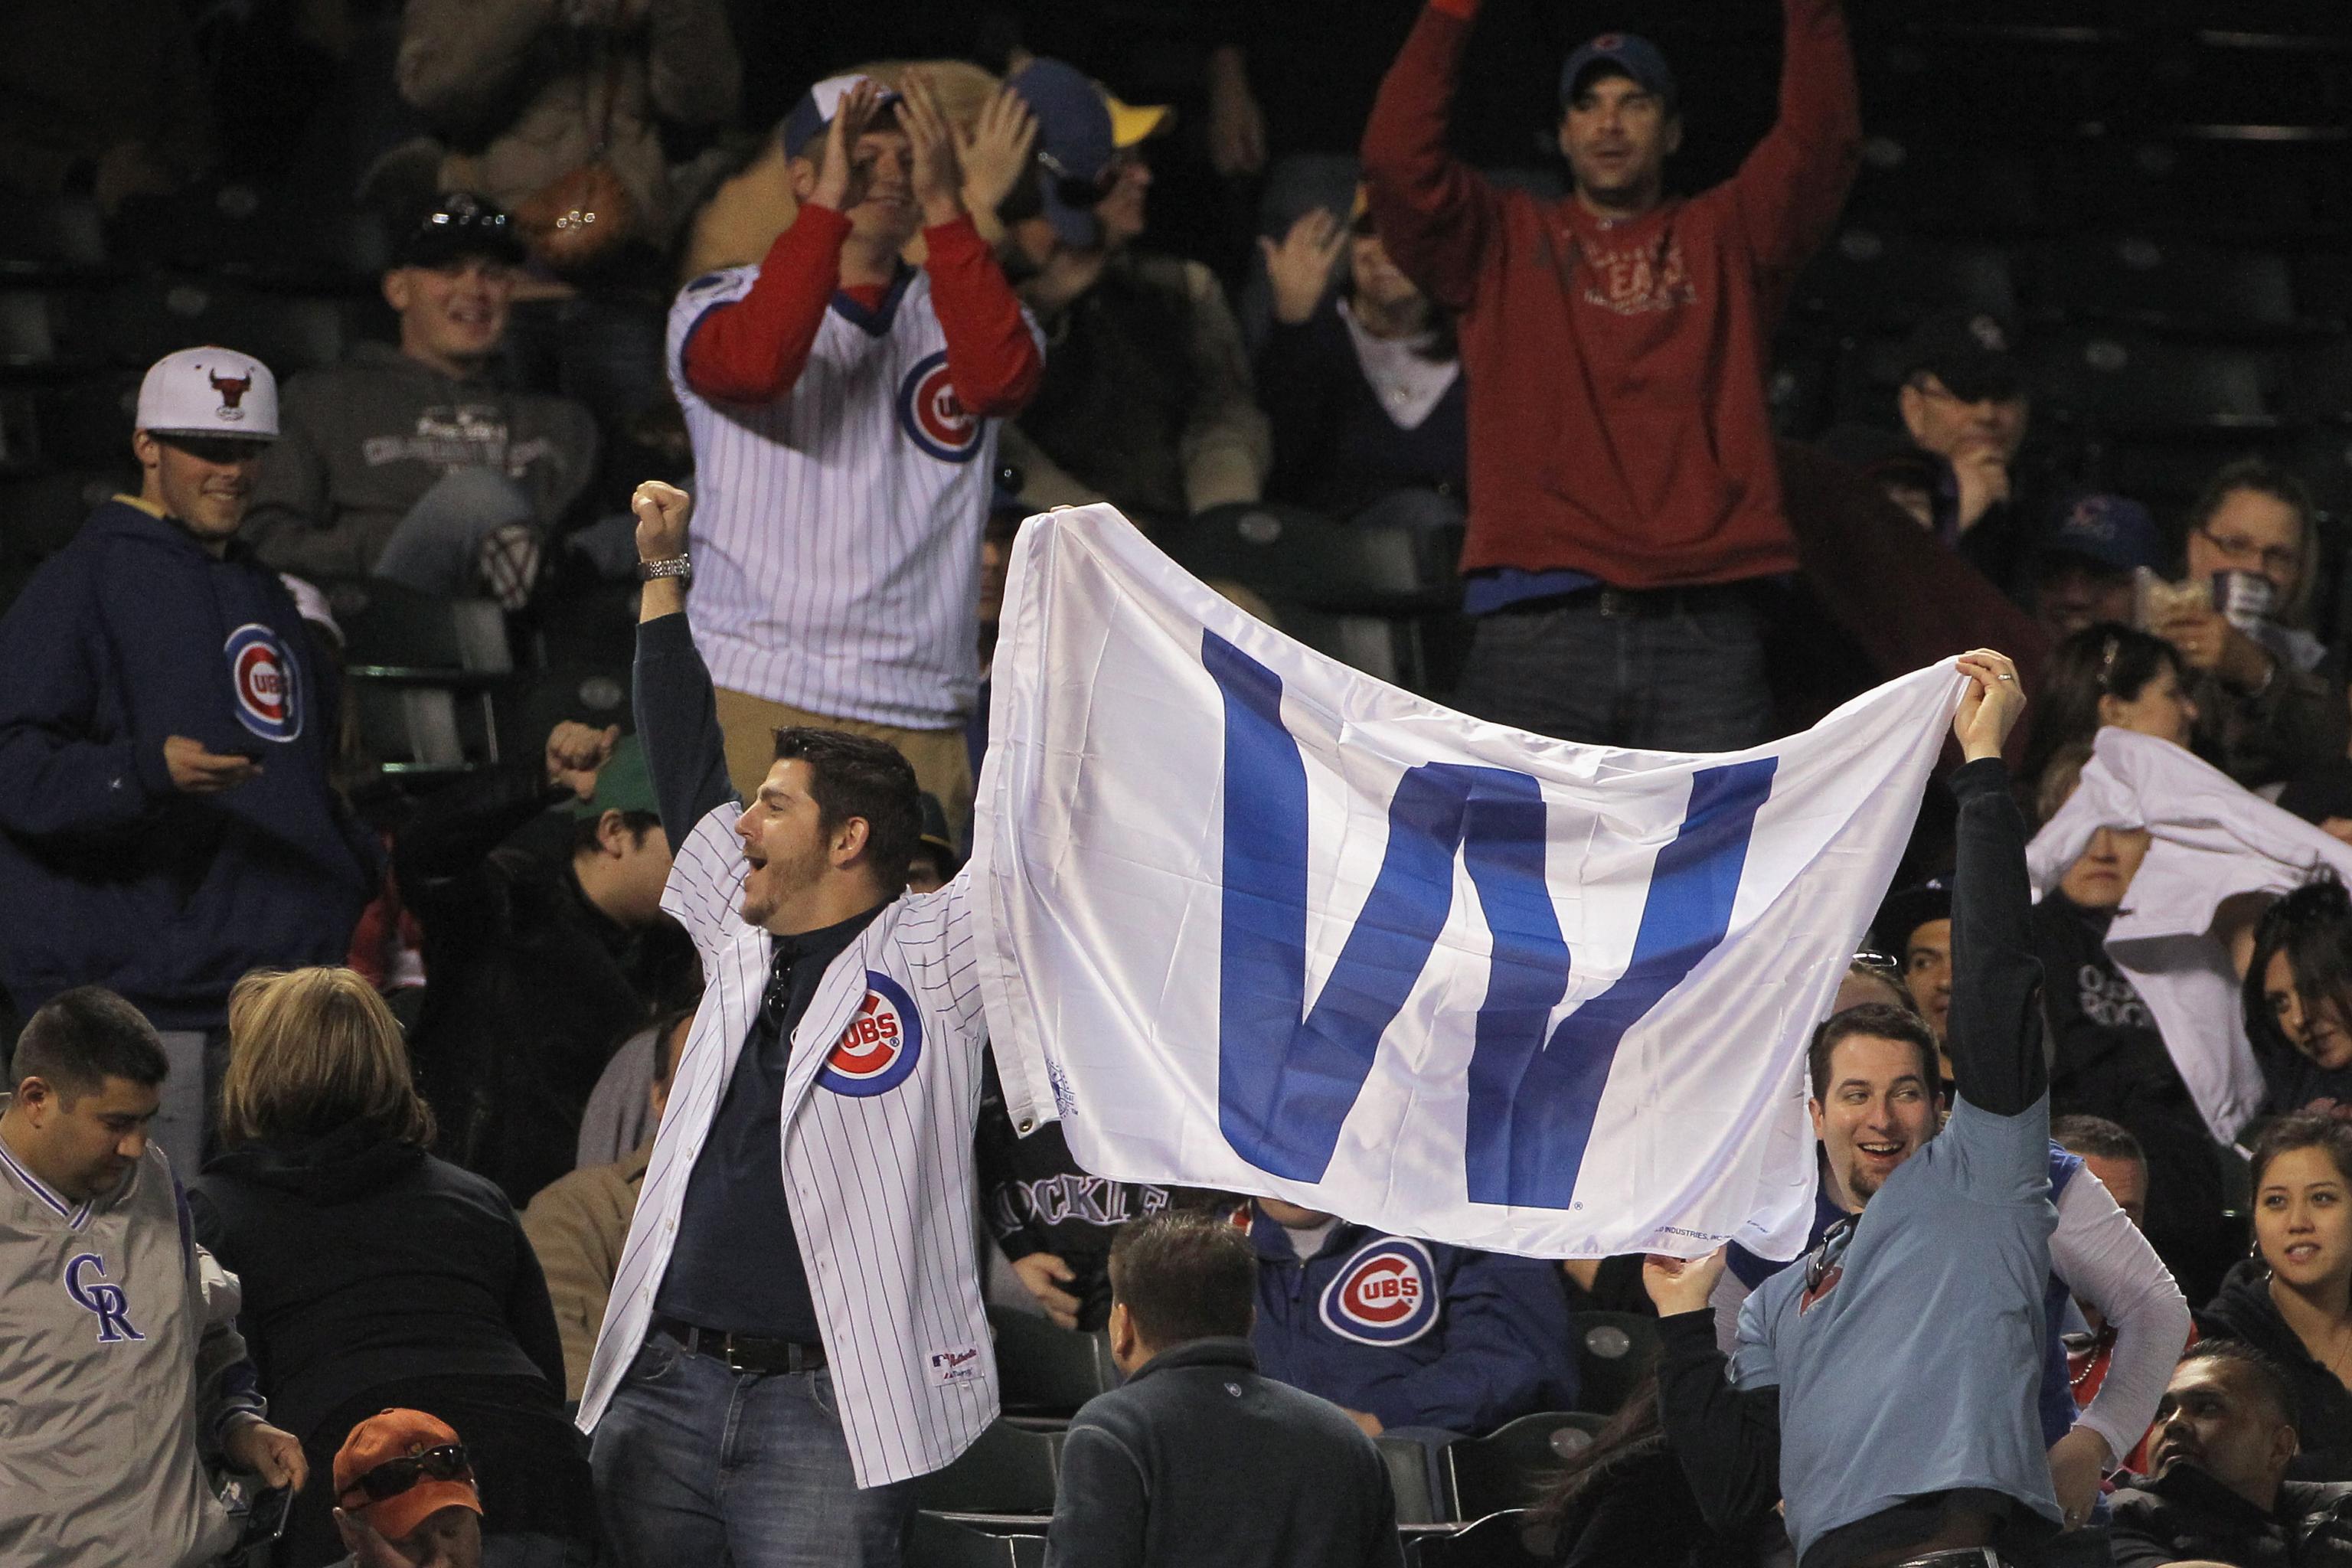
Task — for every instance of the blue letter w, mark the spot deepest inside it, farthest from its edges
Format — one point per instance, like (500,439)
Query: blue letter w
(1288,1077)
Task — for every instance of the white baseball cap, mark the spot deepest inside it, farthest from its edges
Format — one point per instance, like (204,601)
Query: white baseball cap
(209,392)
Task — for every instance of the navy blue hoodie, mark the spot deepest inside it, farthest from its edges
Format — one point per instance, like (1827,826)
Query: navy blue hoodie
(1415,1332)
(131,634)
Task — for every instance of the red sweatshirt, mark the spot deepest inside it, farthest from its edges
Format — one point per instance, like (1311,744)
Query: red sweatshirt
(1616,368)
(753,350)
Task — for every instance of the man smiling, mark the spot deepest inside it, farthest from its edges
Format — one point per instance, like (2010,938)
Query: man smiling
(417,463)
(166,821)
(796,1330)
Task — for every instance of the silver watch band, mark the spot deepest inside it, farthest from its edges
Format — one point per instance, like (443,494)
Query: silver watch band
(676,566)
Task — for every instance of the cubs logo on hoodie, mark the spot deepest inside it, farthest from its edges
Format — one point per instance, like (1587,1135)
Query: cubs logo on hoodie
(1385,1295)
(264,682)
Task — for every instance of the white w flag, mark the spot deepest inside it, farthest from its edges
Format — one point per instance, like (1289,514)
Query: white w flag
(1251,920)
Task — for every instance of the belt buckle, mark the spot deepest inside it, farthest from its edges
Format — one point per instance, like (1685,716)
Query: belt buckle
(729,1354)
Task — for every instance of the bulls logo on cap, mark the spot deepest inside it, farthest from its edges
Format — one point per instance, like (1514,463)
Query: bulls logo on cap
(881,1045)
(264,678)
(1385,1295)
(932,417)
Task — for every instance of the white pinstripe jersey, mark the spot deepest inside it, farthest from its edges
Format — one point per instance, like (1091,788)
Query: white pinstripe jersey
(836,554)
(102,1316)
(879,1105)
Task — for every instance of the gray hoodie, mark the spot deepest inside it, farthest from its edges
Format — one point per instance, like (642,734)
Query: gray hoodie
(361,441)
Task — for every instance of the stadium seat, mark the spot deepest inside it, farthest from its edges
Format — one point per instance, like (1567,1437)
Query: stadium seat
(85,422)
(28,339)
(1613,1351)
(50,237)
(2127,384)
(534,702)
(1045,1370)
(1939,184)
(1373,598)
(1511,1466)
(936,1542)
(2172,284)
(2317,386)
(1493,1541)
(152,316)
(40,513)
(1867,279)
(1418,1499)
(1009,1470)
(391,631)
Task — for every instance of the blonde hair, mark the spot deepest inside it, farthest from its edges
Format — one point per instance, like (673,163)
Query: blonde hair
(310,1050)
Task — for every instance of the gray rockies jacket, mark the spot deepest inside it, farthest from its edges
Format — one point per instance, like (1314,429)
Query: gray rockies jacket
(118,1363)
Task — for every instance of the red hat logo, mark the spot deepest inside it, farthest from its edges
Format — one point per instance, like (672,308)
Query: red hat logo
(232,390)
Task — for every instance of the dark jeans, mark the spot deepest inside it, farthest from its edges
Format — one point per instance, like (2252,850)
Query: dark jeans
(698,1465)
(1668,672)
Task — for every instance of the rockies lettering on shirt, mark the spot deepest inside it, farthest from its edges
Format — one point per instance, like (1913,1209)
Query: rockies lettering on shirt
(110,1363)
(880,1089)
(108,873)
(1416,1332)
(838,514)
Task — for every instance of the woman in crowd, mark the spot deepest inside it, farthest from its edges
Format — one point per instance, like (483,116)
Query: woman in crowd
(2298,999)
(376,1276)
(1623,1500)
(2293,1300)
(1364,390)
(2269,703)
(2108,1059)
(2109,674)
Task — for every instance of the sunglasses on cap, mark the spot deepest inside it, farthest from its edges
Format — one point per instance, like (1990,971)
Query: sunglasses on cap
(1073,191)
(446,1463)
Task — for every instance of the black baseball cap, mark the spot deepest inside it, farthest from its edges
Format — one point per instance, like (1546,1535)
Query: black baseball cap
(1905,911)
(1972,354)
(460,224)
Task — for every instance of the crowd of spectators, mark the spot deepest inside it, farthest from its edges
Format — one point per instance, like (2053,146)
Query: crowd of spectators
(433,1153)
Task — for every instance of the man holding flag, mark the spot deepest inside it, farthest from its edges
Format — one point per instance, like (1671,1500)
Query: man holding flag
(1942,1274)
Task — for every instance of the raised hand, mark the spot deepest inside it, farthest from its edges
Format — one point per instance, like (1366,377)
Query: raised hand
(1299,268)
(1681,1284)
(994,150)
(1991,705)
(663,511)
(840,182)
(576,753)
(933,172)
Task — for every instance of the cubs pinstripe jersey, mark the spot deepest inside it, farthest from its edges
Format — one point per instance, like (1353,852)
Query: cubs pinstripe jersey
(102,1327)
(837,554)
(878,1110)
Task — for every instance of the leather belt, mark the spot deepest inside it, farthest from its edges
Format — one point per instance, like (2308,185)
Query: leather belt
(744,1353)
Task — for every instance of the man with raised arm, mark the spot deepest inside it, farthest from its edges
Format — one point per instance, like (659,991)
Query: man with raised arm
(1625,503)
(796,1329)
(1885,1389)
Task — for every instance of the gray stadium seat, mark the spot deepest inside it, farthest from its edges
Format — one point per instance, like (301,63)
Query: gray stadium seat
(1418,1500)
(1045,1370)
(2168,283)
(1493,1541)
(1613,1350)
(1009,1470)
(1512,1466)
(2130,383)
(936,1542)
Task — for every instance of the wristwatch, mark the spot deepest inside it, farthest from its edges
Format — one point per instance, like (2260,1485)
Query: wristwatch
(676,566)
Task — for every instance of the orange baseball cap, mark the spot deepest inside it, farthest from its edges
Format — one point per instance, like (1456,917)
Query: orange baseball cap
(391,1435)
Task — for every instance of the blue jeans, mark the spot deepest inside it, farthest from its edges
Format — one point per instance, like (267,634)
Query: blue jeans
(436,547)
(1685,678)
(698,1465)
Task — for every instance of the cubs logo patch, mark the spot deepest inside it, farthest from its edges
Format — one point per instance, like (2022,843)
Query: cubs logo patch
(930,414)
(881,1045)
(264,679)
(1385,1295)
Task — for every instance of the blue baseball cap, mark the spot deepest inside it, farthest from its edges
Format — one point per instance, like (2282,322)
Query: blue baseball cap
(1075,145)
(1629,53)
(814,111)
(2116,531)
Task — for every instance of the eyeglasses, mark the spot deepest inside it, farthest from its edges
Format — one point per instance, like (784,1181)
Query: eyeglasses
(2275,559)
(448,1462)
(1073,190)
